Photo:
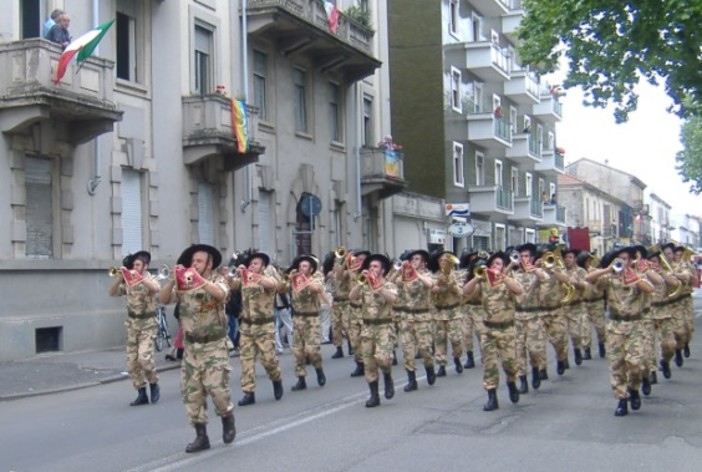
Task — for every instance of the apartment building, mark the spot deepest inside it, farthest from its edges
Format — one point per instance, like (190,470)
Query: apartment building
(661,224)
(134,148)
(477,126)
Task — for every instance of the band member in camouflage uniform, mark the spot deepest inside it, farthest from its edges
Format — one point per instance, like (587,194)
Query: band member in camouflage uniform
(676,305)
(414,284)
(141,323)
(499,294)
(448,318)
(347,273)
(531,339)
(574,310)
(376,296)
(202,294)
(552,318)
(624,292)
(306,286)
(340,304)
(257,324)
(688,274)
(593,298)
(468,307)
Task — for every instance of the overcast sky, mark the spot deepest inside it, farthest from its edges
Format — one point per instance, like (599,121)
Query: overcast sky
(645,146)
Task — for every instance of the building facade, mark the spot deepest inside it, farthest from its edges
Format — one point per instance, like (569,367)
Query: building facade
(661,224)
(477,126)
(134,149)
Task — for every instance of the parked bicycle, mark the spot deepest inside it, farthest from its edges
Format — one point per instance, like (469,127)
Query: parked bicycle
(162,333)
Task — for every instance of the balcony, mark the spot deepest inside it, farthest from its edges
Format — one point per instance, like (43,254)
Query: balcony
(382,172)
(208,134)
(299,27)
(525,151)
(78,109)
(493,201)
(486,60)
(549,109)
(523,87)
(552,163)
(511,21)
(527,211)
(554,215)
(487,128)
(492,7)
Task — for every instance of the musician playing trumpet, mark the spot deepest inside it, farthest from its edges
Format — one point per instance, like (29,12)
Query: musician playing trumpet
(573,308)
(448,317)
(140,288)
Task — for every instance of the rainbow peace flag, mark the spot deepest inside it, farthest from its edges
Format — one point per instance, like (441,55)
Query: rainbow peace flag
(240,125)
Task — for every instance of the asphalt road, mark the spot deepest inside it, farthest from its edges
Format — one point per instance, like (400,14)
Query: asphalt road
(568,424)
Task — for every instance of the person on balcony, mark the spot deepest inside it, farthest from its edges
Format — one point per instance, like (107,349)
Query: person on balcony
(51,22)
(59,32)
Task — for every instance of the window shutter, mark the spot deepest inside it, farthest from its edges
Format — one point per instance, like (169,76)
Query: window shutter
(39,209)
(132,230)
(265,222)
(205,224)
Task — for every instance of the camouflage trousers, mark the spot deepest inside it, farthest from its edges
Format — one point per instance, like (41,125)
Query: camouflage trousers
(554,326)
(594,317)
(355,326)
(625,354)
(664,333)
(416,337)
(250,346)
(474,317)
(339,314)
(377,345)
(496,344)
(306,342)
(141,365)
(448,331)
(205,371)
(648,337)
(530,342)
(575,316)
(689,316)
(680,327)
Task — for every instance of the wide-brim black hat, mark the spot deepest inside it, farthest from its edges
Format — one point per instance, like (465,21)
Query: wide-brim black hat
(679,249)
(314,262)
(627,249)
(186,258)
(641,250)
(582,258)
(531,247)
(570,250)
(670,246)
(383,259)
(260,255)
(328,264)
(497,255)
(421,252)
(652,254)
(466,258)
(433,262)
(129,259)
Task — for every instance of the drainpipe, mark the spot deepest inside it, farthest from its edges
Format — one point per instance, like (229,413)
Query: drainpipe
(357,150)
(248,189)
(95,181)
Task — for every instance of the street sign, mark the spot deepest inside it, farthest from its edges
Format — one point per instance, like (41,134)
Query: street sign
(457,209)
(461,230)
(310,205)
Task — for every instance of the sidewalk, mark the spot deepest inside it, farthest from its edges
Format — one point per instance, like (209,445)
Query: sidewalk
(58,372)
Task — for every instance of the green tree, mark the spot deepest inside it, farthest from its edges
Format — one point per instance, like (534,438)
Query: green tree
(610,45)
(689,160)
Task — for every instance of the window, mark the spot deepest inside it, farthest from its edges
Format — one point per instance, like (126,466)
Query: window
(204,67)
(551,141)
(205,205)
(458,177)
(300,81)
(529,184)
(456,90)
(265,222)
(478,99)
(453,16)
(31,18)
(132,230)
(515,181)
(479,169)
(552,191)
(368,122)
(498,173)
(38,181)
(542,187)
(477,26)
(335,115)
(126,47)
(500,237)
(481,243)
(260,71)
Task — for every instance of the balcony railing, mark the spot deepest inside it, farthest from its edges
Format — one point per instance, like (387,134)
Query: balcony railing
(383,172)
(502,129)
(559,161)
(536,208)
(503,199)
(560,214)
(534,145)
(500,58)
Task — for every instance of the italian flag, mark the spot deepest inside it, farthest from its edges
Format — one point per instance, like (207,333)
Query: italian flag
(332,15)
(83,47)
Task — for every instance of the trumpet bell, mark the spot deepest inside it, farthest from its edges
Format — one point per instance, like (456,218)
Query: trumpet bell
(618,265)
(340,252)
(113,271)
(164,272)
(514,257)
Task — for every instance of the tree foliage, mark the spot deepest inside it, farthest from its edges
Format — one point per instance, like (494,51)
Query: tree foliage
(610,45)
(689,160)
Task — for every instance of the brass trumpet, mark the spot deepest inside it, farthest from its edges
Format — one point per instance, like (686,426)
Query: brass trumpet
(114,271)
(451,262)
(164,272)
(480,272)
(514,258)
(618,265)
(549,260)
(340,252)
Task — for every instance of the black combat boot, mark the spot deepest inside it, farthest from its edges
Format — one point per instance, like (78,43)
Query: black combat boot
(374,399)
(431,375)
(278,389)
(634,399)
(441,372)
(201,441)
(665,368)
(155,391)
(543,374)
(459,366)
(535,378)
(321,378)
(359,370)
(678,358)
(686,350)
(578,356)
(300,385)
(653,377)
(513,392)
(603,351)
(411,381)
(523,384)
(645,386)
(228,428)
(560,367)
(587,355)
(348,344)
(492,401)
(389,385)
(622,408)
(141,399)
(470,362)
(338,354)
(248,399)
(394,358)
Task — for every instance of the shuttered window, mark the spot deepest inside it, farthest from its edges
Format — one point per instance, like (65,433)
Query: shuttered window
(205,205)
(204,67)
(132,215)
(265,222)
(39,210)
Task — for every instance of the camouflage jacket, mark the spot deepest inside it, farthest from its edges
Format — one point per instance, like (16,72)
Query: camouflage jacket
(594,290)
(374,305)
(623,300)
(413,297)
(306,301)
(530,298)
(551,293)
(139,302)
(200,313)
(498,302)
(257,310)
(447,295)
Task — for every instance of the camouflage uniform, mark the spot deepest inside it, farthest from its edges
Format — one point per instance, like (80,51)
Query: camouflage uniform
(624,336)
(377,336)
(413,304)
(593,298)
(663,326)
(340,310)
(679,307)
(448,317)
(257,335)
(552,318)
(498,337)
(141,332)
(205,369)
(468,304)
(575,311)
(686,306)
(306,326)
(355,320)
(530,335)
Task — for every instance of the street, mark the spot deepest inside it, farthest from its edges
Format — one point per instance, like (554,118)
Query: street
(568,424)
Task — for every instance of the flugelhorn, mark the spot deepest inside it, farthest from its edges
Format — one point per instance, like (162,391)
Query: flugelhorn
(480,272)
(618,265)
(114,271)
(164,272)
